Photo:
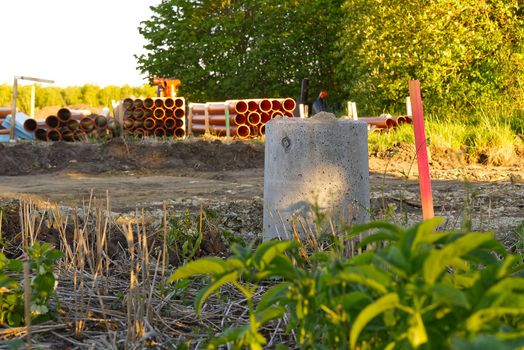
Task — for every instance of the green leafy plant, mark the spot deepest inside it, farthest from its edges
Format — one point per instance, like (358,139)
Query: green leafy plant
(411,288)
(41,259)
(244,269)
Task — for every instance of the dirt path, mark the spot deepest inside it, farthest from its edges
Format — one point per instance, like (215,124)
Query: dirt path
(231,179)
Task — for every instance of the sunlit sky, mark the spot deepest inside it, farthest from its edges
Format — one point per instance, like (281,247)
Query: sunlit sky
(73,42)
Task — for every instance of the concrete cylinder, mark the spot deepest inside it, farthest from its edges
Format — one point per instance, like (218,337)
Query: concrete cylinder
(319,162)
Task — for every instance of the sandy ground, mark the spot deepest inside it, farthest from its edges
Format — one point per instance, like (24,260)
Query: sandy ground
(190,175)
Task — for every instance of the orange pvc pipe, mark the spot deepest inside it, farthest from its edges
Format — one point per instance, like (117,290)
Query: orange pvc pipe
(265,117)
(52,121)
(241,131)
(87,124)
(277,113)
(159,113)
(138,103)
(179,123)
(180,132)
(5,111)
(149,103)
(252,106)
(234,119)
(169,102)
(380,122)
(41,134)
(138,113)
(68,135)
(32,124)
(289,105)
(149,123)
(148,113)
(128,123)
(138,123)
(180,102)
(169,123)
(64,114)
(276,105)
(159,132)
(54,135)
(217,108)
(159,103)
(128,104)
(180,113)
(265,105)
(254,118)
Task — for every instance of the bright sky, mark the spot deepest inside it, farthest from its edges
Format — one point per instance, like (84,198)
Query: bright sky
(73,42)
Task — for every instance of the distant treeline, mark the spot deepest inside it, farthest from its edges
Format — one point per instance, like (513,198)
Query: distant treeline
(91,95)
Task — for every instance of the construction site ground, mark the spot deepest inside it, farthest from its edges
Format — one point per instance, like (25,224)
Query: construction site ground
(229,179)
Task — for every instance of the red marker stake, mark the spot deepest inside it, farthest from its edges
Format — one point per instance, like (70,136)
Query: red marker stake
(424,179)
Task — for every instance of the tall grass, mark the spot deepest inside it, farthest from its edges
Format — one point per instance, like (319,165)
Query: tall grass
(491,136)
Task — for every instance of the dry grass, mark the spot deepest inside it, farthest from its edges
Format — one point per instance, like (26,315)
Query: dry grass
(111,292)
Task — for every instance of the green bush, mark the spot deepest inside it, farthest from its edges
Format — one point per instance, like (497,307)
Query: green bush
(43,283)
(417,289)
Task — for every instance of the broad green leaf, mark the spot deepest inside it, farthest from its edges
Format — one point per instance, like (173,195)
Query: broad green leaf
(449,295)
(205,292)
(267,251)
(426,233)
(230,335)
(386,302)
(439,260)
(272,296)
(204,266)
(475,322)
(268,314)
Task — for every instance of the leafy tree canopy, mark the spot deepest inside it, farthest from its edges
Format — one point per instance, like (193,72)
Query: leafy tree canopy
(465,52)
(240,49)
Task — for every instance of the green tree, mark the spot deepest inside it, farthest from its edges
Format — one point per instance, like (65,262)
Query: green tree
(72,95)
(465,52)
(90,94)
(239,49)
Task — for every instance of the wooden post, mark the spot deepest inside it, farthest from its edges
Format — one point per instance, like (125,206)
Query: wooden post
(13,112)
(426,195)
(228,131)
(190,120)
(32,111)
(354,110)
(206,120)
(408,107)
(301,110)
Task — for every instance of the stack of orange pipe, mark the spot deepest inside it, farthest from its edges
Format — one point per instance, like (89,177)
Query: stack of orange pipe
(155,117)
(386,122)
(4,112)
(248,117)
(72,125)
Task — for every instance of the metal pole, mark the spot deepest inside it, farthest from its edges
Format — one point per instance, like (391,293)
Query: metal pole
(32,111)
(228,131)
(13,112)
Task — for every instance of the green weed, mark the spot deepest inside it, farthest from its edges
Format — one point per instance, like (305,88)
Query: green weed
(412,288)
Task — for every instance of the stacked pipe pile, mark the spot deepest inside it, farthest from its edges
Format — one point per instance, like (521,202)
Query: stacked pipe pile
(386,121)
(4,112)
(72,125)
(247,118)
(158,117)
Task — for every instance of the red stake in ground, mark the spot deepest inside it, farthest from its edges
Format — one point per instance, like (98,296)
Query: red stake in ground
(424,179)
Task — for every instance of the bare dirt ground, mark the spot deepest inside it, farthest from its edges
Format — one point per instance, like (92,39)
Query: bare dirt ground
(229,180)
